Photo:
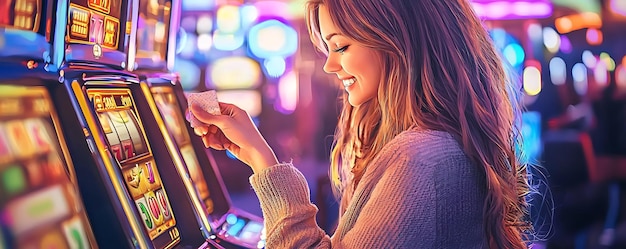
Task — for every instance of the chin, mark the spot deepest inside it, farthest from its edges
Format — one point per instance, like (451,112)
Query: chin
(355,102)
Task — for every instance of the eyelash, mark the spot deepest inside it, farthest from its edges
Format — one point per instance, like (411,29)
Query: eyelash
(340,50)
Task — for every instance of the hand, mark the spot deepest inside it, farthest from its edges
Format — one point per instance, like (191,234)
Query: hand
(234,130)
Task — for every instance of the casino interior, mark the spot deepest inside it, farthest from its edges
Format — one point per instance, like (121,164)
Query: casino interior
(96,152)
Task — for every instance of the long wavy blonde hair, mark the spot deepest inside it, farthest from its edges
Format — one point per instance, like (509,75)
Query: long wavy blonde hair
(442,72)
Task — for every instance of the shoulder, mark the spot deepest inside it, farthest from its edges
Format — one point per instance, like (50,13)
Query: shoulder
(428,154)
(427,145)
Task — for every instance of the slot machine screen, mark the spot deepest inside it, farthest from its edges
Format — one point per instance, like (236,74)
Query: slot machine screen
(20,14)
(170,112)
(95,22)
(128,144)
(153,28)
(39,203)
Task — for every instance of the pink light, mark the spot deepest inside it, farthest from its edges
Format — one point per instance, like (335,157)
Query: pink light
(273,9)
(499,10)
(618,7)
(523,8)
(594,36)
(288,93)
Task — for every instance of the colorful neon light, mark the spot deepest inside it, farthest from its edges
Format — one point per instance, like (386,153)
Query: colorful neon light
(618,7)
(501,10)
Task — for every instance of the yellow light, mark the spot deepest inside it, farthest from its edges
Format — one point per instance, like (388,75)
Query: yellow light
(249,100)
(608,61)
(228,19)
(235,73)
(532,80)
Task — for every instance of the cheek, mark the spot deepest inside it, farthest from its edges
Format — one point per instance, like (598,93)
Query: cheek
(371,89)
(359,64)
(373,72)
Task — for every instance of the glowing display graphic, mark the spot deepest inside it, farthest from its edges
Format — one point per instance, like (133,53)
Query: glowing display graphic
(127,142)
(20,14)
(170,112)
(95,22)
(41,205)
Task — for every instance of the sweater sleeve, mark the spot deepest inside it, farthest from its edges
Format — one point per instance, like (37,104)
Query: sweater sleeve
(288,213)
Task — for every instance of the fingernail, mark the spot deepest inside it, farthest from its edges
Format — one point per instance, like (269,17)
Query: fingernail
(204,142)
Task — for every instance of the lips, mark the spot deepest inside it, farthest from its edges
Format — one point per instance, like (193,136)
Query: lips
(348,82)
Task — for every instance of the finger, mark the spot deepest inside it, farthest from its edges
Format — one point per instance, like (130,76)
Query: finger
(229,109)
(213,129)
(201,131)
(207,118)
(205,141)
(210,143)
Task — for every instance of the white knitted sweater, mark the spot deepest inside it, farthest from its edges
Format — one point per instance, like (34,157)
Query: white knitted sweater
(421,191)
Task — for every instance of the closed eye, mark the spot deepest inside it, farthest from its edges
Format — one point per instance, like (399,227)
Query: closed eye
(340,50)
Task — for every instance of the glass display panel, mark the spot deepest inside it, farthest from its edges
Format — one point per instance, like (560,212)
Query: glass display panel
(127,143)
(170,112)
(39,204)
(153,28)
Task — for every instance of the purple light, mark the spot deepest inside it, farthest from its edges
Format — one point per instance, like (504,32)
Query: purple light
(566,45)
(524,8)
(503,9)
(272,9)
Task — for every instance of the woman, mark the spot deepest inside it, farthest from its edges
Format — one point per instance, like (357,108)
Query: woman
(424,153)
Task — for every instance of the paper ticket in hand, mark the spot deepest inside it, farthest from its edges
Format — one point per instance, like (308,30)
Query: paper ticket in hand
(205,100)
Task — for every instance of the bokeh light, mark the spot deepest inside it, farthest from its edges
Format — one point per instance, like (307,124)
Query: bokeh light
(228,19)
(272,38)
(532,80)
(249,100)
(558,71)
(235,73)
(189,74)
(288,93)
(551,39)
(579,75)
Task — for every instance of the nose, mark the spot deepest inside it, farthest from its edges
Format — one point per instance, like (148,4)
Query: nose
(332,63)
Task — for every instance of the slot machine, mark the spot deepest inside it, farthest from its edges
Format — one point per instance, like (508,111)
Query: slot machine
(232,227)
(40,205)
(126,177)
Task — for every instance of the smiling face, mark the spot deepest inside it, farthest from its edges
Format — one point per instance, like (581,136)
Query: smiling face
(359,68)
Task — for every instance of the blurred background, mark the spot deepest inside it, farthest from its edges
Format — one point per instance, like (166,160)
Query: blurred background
(570,56)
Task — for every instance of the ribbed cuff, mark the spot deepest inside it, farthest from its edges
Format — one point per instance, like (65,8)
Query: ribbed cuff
(282,190)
